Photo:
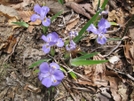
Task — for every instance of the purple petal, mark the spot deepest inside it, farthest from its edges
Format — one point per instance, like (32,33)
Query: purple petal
(47,82)
(103,25)
(44,67)
(34,17)
(37,9)
(60,43)
(101,39)
(58,75)
(54,65)
(46,48)
(43,75)
(56,83)
(71,46)
(73,34)
(53,37)
(93,29)
(44,11)
(46,22)
(44,38)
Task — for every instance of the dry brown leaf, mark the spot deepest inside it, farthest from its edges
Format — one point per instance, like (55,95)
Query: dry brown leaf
(84,9)
(37,22)
(25,15)
(99,73)
(123,92)
(95,3)
(117,15)
(129,51)
(22,4)
(8,12)
(30,29)
(12,41)
(32,88)
(72,23)
(6,2)
(114,88)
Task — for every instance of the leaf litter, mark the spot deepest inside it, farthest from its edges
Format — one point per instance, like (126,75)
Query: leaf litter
(112,81)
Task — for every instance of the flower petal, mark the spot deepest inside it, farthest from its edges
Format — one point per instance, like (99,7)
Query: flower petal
(43,75)
(73,34)
(53,37)
(44,67)
(56,83)
(44,38)
(44,11)
(54,65)
(46,48)
(93,29)
(58,74)
(34,17)
(37,9)
(103,25)
(60,43)
(46,22)
(47,82)
(101,39)
(71,46)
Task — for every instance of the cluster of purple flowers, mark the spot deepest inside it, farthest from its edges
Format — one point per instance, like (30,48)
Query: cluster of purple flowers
(103,25)
(50,74)
(72,45)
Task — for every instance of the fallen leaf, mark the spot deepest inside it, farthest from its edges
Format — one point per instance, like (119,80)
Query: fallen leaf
(84,9)
(8,12)
(25,15)
(32,88)
(129,51)
(72,23)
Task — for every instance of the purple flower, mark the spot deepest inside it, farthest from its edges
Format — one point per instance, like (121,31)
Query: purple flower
(50,74)
(41,14)
(103,25)
(71,46)
(73,34)
(51,39)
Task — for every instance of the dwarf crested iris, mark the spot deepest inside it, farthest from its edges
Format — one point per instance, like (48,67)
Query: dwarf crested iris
(73,34)
(71,46)
(41,13)
(50,74)
(51,39)
(103,25)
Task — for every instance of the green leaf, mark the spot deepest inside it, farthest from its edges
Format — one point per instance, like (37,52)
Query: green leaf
(77,38)
(62,69)
(73,75)
(56,15)
(98,6)
(114,24)
(44,29)
(22,24)
(38,62)
(85,56)
(79,62)
(61,2)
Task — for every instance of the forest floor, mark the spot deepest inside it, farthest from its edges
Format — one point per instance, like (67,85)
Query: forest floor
(21,47)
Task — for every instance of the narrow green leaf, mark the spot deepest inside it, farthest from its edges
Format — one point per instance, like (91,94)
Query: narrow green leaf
(114,24)
(62,69)
(73,75)
(38,62)
(56,15)
(44,29)
(85,56)
(98,6)
(77,38)
(22,24)
(61,1)
(79,62)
